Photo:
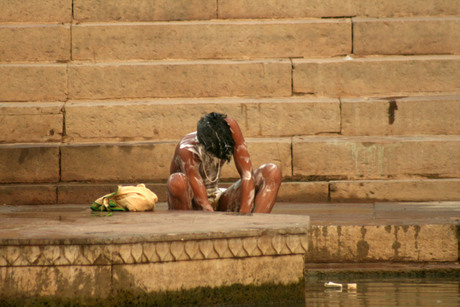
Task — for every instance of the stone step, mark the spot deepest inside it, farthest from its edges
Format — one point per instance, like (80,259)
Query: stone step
(147,10)
(334,8)
(61,11)
(416,115)
(247,39)
(35,42)
(229,39)
(359,157)
(31,122)
(421,35)
(391,76)
(56,11)
(330,77)
(336,191)
(170,119)
(116,162)
(306,158)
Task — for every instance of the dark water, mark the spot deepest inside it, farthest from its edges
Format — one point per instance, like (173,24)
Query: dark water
(372,292)
(387,292)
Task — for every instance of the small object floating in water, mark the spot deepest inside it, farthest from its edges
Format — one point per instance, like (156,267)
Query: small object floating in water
(334,285)
(352,287)
(337,286)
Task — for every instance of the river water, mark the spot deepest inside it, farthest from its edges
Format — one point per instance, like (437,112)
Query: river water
(386,292)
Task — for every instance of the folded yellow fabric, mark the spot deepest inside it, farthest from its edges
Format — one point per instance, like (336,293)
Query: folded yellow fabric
(127,198)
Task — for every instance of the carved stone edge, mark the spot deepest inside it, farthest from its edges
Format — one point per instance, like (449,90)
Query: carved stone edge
(152,252)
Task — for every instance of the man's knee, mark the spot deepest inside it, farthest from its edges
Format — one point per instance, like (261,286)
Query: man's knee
(177,184)
(271,171)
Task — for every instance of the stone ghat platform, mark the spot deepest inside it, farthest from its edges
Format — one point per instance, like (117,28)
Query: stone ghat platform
(68,251)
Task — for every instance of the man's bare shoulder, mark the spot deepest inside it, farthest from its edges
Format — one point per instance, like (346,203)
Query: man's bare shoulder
(188,145)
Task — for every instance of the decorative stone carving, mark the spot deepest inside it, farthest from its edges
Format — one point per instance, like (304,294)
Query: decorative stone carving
(151,252)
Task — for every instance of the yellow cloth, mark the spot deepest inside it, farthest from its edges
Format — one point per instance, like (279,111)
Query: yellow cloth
(127,198)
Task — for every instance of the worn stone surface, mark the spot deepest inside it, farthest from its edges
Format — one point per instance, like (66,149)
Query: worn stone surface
(168,231)
(395,190)
(267,78)
(211,273)
(406,36)
(116,162)
(426,115)
(29,163)
(148,251)
(34,43)
(376,157)
(388,76)
(36,11)
(143,10)
(211,40)
(310,192)
(383,243)
(26,82)
(26,194)
(166,119)
(334,8)
(67,281)
(31,122)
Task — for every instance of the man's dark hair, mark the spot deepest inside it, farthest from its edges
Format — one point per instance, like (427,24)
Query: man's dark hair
(214,134)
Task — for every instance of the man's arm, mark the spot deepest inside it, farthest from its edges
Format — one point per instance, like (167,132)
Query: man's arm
(244,166)
(191,167)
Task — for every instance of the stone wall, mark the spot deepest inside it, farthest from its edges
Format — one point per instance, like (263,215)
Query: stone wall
(355,101)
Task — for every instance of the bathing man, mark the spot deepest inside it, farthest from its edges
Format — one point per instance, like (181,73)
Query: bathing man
(196,168)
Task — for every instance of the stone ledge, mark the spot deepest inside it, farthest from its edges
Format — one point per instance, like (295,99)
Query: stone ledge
(377,243)
(169,235)
(148,251)
(374,76)
(152,252)
(215,39)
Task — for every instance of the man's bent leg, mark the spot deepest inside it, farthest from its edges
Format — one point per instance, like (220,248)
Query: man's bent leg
(179,192)
(267,181)
(230,200)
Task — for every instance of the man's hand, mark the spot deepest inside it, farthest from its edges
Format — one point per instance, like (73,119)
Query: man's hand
(208,207)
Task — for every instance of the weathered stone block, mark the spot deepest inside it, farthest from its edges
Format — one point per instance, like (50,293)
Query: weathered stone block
(211,40)
(376,76)
(213,273)
(406,36)
(29,163)
(382,243)
(63,281)
(426,115)
(36,11)
(31,122)
(35,43)
(395,190)
(118,162)
(173,118)
(303,192)
(33,82)
(24,194)
(299,116)
(180,79)
(377,157)
(143,10)
(333,8)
